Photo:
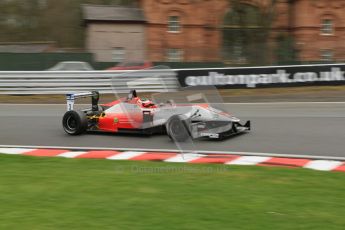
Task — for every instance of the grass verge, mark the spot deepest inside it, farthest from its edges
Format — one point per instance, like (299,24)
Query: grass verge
(54,193)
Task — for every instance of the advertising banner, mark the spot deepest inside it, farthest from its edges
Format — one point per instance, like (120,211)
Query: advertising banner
(266,76)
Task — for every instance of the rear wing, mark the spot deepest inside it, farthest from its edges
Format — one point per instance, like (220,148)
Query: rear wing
(70,98)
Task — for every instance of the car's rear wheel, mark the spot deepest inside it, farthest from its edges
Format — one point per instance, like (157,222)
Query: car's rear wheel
(74,122)
(177,129)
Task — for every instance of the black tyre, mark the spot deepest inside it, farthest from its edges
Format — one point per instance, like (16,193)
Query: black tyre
(74,122)
(234,127)
(177,129)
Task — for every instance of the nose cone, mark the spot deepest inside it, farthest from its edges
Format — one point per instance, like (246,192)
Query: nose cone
(231,118)
(235,119)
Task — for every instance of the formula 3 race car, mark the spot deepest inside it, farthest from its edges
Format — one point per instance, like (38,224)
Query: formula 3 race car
(133,114)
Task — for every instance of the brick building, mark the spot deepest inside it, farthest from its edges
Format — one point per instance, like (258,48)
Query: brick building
(183,30)
(319,29)
(248,31)
(115,33)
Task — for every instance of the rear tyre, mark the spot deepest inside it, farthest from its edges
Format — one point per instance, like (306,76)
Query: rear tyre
(74,122)
(177,129)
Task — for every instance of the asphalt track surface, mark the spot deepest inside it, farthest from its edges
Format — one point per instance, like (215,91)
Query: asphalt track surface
(316,129)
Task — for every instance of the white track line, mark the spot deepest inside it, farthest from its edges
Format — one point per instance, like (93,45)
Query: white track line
(125,155)
(248,160)
(184,157)
(15,150)
(72,154)
(179,151)
(323,165)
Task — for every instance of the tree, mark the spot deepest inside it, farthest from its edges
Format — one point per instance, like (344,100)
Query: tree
(246,32)
(17,20)
(286,53)
(47,20)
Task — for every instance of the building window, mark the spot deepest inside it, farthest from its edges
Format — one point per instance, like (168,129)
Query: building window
(174,24)
(118,54)
(326,55)
(174,55)
(42,4)
(327,27)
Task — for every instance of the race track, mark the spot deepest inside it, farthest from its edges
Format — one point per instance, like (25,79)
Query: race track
(315,129)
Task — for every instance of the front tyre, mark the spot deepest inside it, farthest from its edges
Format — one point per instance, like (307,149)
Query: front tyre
(74,122)
(177,129)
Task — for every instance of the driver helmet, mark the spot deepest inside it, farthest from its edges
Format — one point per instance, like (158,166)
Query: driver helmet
(146,102)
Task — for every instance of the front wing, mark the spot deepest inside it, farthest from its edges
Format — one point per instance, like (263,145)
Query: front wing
(218,130)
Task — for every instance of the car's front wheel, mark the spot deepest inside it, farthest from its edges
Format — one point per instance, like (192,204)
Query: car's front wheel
(177,129)
(74,122)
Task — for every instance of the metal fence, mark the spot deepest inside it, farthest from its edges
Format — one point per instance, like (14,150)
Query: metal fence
(50,82)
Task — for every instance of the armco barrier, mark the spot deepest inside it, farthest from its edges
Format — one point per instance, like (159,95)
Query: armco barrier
(53,82)
(163,80)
